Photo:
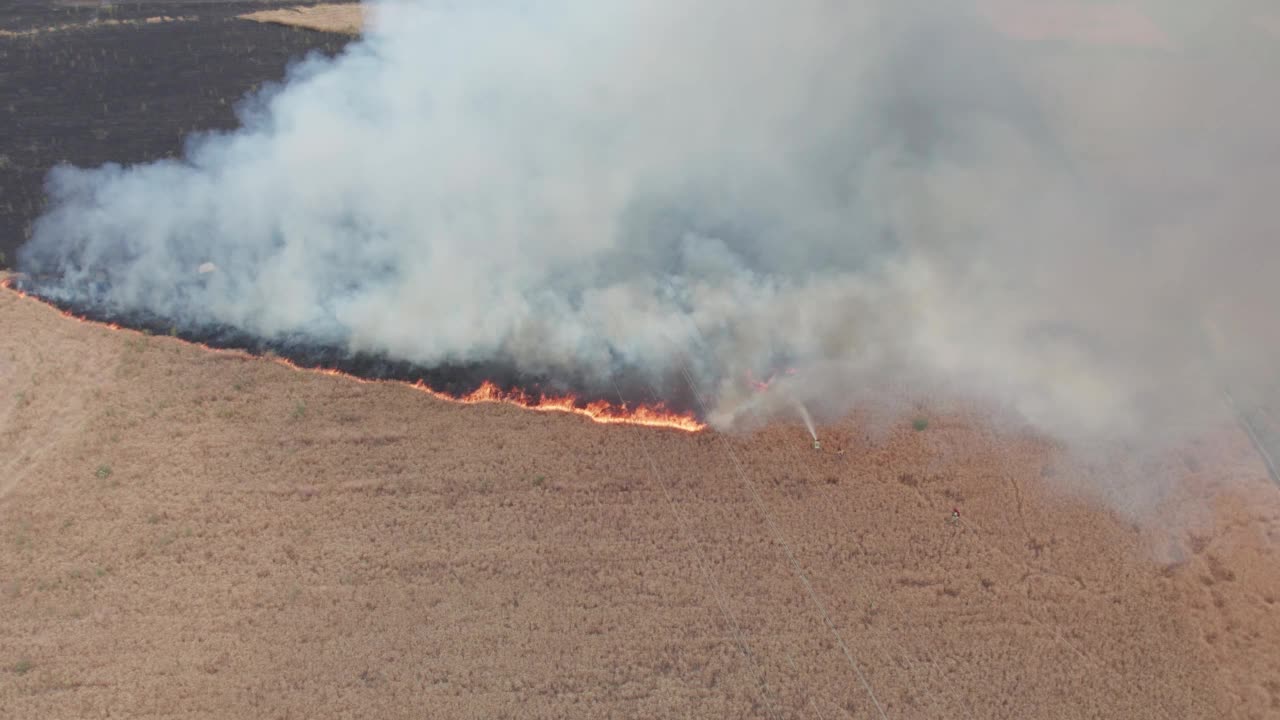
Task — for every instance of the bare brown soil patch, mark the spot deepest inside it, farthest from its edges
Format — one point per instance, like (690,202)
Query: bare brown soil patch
(334,18)
(188,534)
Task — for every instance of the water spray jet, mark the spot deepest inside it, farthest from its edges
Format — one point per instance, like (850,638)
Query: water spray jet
(808,423)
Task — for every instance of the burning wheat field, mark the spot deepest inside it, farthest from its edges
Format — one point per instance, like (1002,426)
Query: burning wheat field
(609,359)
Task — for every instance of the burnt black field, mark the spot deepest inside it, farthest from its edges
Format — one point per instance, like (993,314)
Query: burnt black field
(89,93)
(130,93)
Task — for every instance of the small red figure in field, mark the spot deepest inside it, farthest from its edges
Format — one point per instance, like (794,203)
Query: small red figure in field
(955,515)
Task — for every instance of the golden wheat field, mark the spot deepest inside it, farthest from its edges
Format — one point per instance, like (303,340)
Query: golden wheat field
(195,534)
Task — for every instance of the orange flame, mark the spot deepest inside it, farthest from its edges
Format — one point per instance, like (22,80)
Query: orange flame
(600,411)
(762,385)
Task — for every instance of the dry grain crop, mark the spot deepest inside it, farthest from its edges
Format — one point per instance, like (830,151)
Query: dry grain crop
(177,540)
(335,18)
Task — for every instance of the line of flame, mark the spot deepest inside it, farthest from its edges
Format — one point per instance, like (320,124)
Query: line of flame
(600,411)
(761,386)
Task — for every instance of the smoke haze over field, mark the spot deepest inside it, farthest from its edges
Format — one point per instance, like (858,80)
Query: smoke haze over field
(880,194)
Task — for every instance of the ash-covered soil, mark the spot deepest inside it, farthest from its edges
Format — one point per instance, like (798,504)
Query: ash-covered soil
(188,534)
(88,85)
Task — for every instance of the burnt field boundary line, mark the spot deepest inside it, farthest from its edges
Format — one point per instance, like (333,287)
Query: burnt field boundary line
(498,380)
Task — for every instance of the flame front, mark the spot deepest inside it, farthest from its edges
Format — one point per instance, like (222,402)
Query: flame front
(763,385)
(600,411)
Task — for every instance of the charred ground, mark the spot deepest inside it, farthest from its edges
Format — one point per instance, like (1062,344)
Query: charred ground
(88,85)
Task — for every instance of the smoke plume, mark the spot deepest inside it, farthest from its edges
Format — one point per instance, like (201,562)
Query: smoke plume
(972,199)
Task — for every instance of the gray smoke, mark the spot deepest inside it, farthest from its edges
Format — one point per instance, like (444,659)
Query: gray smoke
(893,194)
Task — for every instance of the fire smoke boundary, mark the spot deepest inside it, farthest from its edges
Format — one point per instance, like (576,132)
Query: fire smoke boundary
(468,384)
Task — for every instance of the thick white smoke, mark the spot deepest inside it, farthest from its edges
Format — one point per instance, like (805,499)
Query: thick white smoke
(892,193)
